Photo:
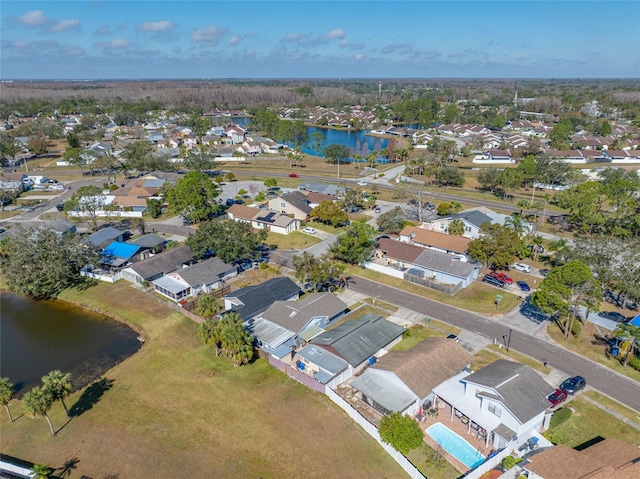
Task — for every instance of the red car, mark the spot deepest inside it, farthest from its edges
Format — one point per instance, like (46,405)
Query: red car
(293,175)
(556,397)
(502,277)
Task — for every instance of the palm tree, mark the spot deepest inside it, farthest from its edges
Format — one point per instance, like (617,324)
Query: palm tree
(631,336)
(7,393)
(42,471)
(58,386)
(236,341)
(537,242)
(559,247)
(456,227)
(522,204)
(210,332)
(37,403)
(516,223)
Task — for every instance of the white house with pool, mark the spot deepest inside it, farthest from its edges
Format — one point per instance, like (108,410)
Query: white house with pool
(505,403)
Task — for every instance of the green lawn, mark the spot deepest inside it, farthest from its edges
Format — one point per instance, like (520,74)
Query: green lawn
(416,334)
(432,465)
(295,240)
(520,358)
(588,422)
(478,297)
(176,410)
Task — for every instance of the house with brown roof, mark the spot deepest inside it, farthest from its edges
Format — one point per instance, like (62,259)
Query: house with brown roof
(610,458)
(314,199)
(442,242)
(403,381)
(262,219)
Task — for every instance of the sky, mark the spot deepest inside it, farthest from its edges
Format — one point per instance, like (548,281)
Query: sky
(66,40)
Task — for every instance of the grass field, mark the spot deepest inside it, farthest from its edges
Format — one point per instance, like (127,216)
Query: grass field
(418,333)
(295,240)
(588,422)
(175,410)
(478,297)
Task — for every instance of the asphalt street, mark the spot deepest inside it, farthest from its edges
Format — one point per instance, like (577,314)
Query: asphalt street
(603,379)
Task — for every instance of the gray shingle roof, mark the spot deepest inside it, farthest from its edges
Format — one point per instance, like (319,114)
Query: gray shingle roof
(443,262)
(320,188)
(257,298)
(357,340)
(298,200)
(322,358)
(294,315)
(520,388)
(474,217)
(104,236)
(163,263)
(149,240)
(207,272)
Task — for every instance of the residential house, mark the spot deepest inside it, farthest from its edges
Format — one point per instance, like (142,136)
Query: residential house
(194,280)
(158,265)
(325,188)
(117,254)
(321,364)
(250,147)
(250,301)
(359,342)
(568,156)
(269,146)
(507,401)
(278,329)
(403,381)
(264,220)
(314,199)
(236,134)
(610,458)
(471,219)
(495,156)
(442,242)
(106,236)
(60,227)
(15,182)
(151,242)
(292,203)
(422,265)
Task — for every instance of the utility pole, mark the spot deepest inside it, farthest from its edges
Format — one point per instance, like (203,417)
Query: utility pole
(509,340)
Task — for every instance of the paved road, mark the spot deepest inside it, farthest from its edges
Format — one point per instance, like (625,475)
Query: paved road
(599,377)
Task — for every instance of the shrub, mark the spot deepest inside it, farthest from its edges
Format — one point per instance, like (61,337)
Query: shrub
(510,461)
(401,431)
(560,416)
(576,328)
(634,362)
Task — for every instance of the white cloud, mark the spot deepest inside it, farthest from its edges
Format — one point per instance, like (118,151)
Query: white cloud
(210,35)
(66,25)
(115,44)
(234,40)
(345,42)
(358,57)
(337,33)
(34,18)
(161,26)
(103,30)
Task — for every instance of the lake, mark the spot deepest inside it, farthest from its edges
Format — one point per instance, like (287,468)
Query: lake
(357,141)
(39,336)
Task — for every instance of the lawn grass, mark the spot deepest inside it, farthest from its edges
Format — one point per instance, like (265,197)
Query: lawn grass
(326,228)
(416,334)
(478,297)
(422,458)
(588,422)
(295,240)
(174,409)
(520,358)
(613,405)
(589,346)
(483,358)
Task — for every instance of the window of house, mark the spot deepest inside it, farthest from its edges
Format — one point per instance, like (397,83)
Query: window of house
(283,205)
(495,410)
(467,229)
(442,226)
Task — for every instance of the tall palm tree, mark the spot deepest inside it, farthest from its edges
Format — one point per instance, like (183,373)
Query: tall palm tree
(58,386)
(37,403)
(631,338)
(7,393)
(516,223)
(537,243)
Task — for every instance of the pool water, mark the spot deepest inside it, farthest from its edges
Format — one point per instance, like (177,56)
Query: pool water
(455,445)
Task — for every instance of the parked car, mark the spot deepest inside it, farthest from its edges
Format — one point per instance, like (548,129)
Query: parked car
(544,272)
(377,209)
(573,384)
(613,316)
(502,277)
(493,281)
(363,183)
(525,268)
(523,286)
(293,175)
(309,230)
(454,337)
(60,207)
(556,397)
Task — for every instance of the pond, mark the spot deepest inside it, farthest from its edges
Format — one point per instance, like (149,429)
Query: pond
(358,142)
(39,336)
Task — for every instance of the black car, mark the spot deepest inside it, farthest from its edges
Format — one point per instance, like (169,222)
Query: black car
(493,280)
(60,207)
(573,384)
(613,316)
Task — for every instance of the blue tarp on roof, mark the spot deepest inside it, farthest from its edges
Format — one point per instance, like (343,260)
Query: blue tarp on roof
(635,321)
(121,250)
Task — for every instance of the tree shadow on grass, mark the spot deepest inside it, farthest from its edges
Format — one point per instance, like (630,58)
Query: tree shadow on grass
(68,466)
(90,396)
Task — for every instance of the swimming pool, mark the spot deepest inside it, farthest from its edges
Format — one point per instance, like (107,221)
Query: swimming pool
(455,445)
